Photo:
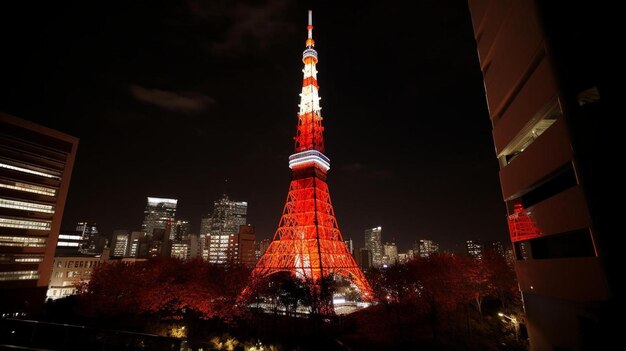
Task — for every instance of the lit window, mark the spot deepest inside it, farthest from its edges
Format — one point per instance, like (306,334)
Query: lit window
(23,241)
(31,171)
(24,224)
(23,205)
(19,275)
(29,188)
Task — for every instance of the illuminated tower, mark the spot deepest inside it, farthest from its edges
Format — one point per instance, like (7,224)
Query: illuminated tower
(308,242)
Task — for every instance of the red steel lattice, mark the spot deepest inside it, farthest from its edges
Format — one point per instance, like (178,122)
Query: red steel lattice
(308,242)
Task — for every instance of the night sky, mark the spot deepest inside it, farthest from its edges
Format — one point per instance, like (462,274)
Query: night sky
(170,98)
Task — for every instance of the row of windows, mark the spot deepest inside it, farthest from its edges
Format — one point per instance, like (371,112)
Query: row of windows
(19,275)
(20,258)
(78,264)
(23,241)
(23,205)
(29,188)
(24,224)
(71,274)
(55,175)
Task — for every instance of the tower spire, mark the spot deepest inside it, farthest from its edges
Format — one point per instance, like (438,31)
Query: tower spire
(309,42)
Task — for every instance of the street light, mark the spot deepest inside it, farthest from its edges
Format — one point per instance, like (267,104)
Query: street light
(514,321)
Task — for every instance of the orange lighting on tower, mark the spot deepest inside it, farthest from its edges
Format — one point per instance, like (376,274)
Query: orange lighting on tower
(308,242)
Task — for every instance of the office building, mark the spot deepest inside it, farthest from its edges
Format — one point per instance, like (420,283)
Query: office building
(374,245)
(221,228)
(180,231)
(390,254)
(159,214)
(474,249)
(68,272)
(546,68)
(364,258)
(93,243)
(424,248)
(181,250)
(245,248)
(69,243)
(35,170)
(120,243)
(349,246)
(226,217)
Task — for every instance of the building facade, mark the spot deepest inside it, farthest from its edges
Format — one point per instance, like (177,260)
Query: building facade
(35,170)
(221,229)
(374,244)
(546,70)
(68,272)
(92,242)
(424,248)
(159,215)
(474,249)
(390,254)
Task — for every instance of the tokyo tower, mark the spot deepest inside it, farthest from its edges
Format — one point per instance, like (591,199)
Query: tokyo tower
(308,242)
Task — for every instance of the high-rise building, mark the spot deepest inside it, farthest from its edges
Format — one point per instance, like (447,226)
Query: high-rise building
(159,214)
(364,258)
(226,217)
(374,244)
(222,226)
(245,253)
(390,254)
(350,246)
(181,250)
(68,272)
(474,249)
(120,243)
(546,68)
(424,248)
(261,246)
(137,245)
(69,243)
(35,170)
(180,231)
(92,243)
(195,246)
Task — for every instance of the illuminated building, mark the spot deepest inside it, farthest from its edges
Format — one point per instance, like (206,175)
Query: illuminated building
(137,245)
(226,217)
(474,249)
(180,230)
(308,242)
(35,170)
(69,243)
(68,272)
(181,250)
(159,214)
(92,242)
(350,246)
(120,243)
(221,227)
(546,67)
(390,254)
(245,248)
(424,248)
(374,244)
(262,247)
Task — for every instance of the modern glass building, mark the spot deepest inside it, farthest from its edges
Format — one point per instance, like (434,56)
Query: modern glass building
(35,170)
(373,244)
(159,214)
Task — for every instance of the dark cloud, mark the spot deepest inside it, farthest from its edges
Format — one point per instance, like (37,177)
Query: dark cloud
(253,27)
(181,102)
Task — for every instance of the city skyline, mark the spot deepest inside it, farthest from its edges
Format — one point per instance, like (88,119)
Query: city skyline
(173,125)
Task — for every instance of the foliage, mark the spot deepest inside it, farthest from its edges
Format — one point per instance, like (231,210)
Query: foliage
(166,288)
